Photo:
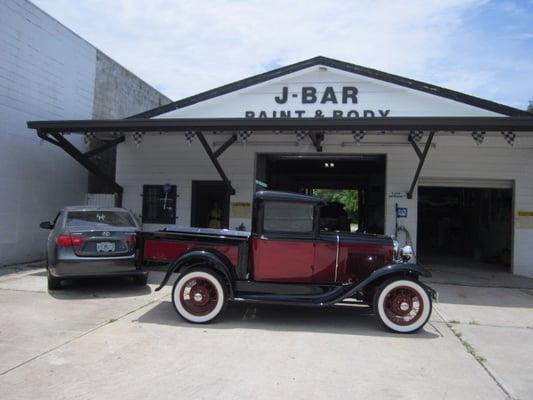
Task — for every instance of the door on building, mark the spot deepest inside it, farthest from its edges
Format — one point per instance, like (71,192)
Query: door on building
(210,205)
(466,226)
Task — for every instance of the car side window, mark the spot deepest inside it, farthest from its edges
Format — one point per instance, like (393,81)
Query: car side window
(285,216)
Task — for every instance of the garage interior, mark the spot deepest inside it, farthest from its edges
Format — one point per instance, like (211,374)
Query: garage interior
(358,179)
(469,226)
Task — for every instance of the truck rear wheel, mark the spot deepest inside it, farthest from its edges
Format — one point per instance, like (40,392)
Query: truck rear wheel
(402,305)
(199,295)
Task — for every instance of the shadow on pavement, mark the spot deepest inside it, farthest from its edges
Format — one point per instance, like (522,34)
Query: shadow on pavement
(89,288)
(346,320)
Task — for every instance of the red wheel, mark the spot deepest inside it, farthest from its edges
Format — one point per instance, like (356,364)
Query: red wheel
(402,305)
(198,296)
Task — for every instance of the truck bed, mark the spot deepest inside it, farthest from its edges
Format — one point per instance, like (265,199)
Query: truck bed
(167,245)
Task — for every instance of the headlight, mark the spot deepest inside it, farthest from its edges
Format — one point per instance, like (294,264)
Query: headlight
(406,253)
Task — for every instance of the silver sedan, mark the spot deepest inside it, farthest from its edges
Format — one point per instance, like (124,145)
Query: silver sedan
(88,241)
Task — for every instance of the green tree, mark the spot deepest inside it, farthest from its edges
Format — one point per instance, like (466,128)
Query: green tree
(530,108)
(349,198)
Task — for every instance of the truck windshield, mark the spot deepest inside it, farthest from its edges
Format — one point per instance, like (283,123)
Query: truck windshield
(99,219)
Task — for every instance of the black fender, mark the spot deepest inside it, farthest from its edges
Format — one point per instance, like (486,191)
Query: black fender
(395,269)
(209,258)
(386,272)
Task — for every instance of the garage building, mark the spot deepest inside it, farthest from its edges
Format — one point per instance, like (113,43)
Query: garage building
(447,172)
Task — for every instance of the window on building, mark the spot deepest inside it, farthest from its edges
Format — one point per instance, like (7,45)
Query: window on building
(159,204)
(284,216)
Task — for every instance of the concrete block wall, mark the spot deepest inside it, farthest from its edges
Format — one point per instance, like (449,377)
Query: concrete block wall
(118,93)
(48,72)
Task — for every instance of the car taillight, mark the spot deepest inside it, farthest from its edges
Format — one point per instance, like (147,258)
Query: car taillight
(69,241)
(132,241)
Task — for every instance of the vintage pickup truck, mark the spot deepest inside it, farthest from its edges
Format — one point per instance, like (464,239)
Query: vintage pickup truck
(290,258)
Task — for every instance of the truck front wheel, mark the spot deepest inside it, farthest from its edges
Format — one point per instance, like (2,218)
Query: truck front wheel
(402,305)
(199,295)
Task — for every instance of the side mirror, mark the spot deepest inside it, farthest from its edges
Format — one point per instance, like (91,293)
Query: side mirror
(46,225)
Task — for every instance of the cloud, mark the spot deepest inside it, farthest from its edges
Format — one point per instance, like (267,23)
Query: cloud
(184,47)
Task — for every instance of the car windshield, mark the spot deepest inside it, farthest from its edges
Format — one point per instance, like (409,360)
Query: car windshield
(99,219)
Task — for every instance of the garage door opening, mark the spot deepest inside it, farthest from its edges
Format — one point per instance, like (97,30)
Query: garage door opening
(465,225)
(354,185)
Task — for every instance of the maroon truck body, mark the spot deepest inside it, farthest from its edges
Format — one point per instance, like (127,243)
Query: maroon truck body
(284,261)
(293,261)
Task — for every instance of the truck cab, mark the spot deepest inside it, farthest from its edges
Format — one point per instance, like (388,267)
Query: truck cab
(289,243)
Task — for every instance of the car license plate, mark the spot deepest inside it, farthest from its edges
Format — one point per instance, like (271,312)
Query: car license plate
(105,247)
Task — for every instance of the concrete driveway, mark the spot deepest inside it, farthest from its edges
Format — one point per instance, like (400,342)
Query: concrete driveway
(109,340)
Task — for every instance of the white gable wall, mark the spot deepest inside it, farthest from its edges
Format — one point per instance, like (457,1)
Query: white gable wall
(373,95)
(165,158)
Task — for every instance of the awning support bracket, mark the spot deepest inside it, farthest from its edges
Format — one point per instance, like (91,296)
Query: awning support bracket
(83,158)
(421,159)
(317,139)
(225,145)
(213,156)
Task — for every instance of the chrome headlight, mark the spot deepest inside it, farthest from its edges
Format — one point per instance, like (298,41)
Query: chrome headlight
(406,253)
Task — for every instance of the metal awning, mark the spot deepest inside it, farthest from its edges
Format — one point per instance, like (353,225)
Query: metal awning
(287,125)
(112,132)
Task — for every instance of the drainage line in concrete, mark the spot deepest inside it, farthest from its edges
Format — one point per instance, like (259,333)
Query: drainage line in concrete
(79,336)
(487,370)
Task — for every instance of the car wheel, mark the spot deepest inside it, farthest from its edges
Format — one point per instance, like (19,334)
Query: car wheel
(53,283)
(199,296)
(402,305)
(140,280)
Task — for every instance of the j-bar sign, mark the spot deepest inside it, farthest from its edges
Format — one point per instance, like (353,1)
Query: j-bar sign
(310,101)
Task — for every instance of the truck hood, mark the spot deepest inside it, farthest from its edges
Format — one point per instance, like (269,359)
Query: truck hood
(368,238)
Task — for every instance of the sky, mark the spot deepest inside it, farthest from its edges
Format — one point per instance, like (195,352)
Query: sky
(479,47)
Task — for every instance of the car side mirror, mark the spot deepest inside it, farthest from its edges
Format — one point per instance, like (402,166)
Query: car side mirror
(46,225)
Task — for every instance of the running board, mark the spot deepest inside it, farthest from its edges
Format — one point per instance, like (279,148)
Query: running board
(323,299)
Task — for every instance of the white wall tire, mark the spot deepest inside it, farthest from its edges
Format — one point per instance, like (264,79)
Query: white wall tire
(402,305)
(199,296)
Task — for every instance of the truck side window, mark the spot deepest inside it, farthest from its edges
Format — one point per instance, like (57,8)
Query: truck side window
(284,216)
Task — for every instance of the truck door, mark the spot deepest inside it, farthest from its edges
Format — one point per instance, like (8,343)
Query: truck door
(284,250)
(325,265)
(282,260)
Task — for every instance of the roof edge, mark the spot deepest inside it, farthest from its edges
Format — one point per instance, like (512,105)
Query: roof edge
(344,66)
